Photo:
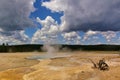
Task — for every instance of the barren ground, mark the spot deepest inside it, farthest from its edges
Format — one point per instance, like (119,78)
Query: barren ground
(77,66)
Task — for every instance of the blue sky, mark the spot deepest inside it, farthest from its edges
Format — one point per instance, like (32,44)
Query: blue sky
(60,22)
(42,13)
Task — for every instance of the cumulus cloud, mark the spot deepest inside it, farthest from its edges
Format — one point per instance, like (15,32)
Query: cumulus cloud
(14,15)
(72,37)
(84,15)
(96,36)
(89,34)
(18,37)
(49,24)
(109,35)
(48,33)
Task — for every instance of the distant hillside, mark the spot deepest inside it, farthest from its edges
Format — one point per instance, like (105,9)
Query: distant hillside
(35,47)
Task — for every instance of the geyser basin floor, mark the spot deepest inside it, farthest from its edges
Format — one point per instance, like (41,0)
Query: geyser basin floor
(75,67)
(16,60)
(49,56)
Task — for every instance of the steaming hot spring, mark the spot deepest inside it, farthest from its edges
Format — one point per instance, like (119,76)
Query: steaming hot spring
(48,56)
(50,52)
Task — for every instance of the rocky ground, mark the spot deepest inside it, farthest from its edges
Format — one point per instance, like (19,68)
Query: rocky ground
(76,66)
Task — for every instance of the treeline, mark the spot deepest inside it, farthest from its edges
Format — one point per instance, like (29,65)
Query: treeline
(20,48)
(93,47)
(35,47)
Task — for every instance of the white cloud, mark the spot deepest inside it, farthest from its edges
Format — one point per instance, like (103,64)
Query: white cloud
(97,36)
(18,38)
(48,33)
(72,37)
(55,8)
(109,35)
(90,34)
(49,25)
